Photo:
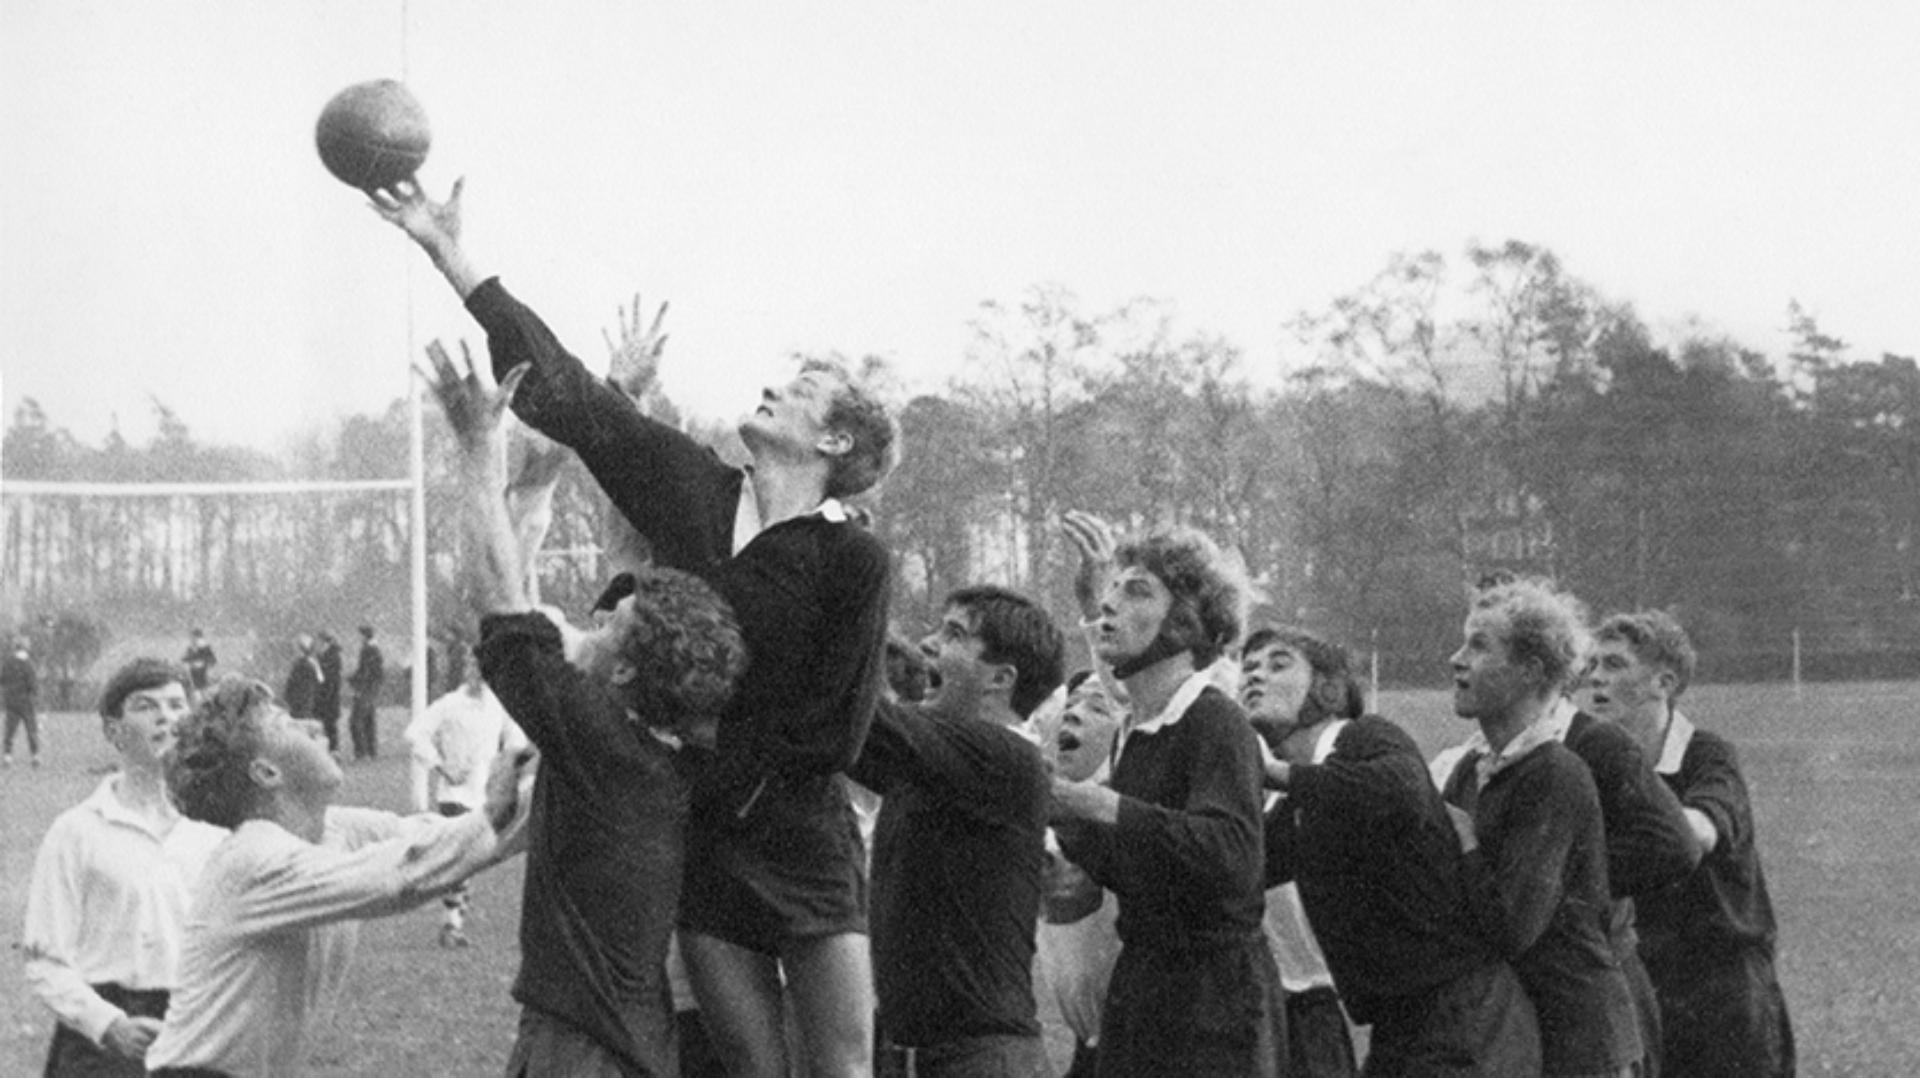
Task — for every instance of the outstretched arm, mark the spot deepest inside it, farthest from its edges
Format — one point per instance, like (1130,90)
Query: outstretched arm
(475,410)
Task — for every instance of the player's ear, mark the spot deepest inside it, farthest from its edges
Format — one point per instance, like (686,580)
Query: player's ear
(1667,680)
(265,773)
(1003,677)
(834,443)
(624,672)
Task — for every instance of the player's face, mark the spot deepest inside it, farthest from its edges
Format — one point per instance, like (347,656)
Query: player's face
(298,749)
(1131,612)
(792,416)
(957,676)
(1621,686)
(1487,682)
(1274,681)
(149,718)
(597,650)
(1087,729)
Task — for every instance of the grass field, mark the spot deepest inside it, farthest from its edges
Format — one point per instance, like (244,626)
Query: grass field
(1835,778)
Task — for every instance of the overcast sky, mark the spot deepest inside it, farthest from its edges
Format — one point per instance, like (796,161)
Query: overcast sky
(858,176)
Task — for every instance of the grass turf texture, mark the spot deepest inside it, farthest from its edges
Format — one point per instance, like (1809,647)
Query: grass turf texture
(1834,773)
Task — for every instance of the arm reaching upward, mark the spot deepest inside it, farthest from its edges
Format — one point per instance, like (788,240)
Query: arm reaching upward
(475,411)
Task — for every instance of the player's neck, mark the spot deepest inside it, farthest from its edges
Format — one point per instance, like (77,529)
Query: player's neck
(1648,728)
(306,821)
(1152,688)
(1501,730)
(142,790)
(784,488)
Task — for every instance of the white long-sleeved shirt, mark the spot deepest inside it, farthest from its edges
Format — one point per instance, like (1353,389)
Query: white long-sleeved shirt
(107,903)
(273,928)
(454,742)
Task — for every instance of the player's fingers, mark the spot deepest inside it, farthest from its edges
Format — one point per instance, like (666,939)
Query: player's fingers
(658,317)
(511,383)
(442,363)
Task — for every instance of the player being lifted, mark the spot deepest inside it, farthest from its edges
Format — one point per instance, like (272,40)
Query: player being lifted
(775,887)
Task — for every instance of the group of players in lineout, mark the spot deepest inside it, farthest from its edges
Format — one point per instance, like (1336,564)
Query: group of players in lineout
(1199,857)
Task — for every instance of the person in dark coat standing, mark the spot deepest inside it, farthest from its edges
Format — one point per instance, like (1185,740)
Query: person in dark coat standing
(19,688)
(368,675)
(326,699)
(301,693)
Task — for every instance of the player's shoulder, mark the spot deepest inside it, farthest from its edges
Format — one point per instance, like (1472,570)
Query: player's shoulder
(1707,748)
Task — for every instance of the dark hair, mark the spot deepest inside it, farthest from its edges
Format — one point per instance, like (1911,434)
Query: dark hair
(1335,692)
(209,771)
(1545,626)
(854,411)
(1014,629)
(907,670)
(1208,590)
(1657,638)
(685,644)
(137,676)
(366,631)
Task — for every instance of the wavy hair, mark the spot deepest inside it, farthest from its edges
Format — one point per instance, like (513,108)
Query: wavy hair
(1208,589)
(208,773)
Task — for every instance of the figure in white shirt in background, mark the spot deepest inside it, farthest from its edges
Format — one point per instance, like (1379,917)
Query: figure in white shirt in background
(110,888)
(275,915)
(453,744)
(1076,943)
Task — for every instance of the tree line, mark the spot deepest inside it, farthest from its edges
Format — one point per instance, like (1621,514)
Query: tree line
(1448,417)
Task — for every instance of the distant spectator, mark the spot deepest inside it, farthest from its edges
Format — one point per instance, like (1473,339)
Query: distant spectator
(326,700)
(454,741)
(107,902)
(367,679)
(19,691)
(301,693)
(200,661)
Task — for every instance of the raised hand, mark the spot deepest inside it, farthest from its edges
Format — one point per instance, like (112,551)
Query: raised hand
(473,406)
(635,357)
(435,226)
(1093,538)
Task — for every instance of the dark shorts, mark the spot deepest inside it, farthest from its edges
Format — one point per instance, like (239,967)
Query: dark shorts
(72,1055)
(793,869)
(1208,1010)
(1724,1014)
(1480,1023)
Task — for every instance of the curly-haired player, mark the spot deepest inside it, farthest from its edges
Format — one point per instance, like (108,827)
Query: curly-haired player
(1177,835)
(610,710)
